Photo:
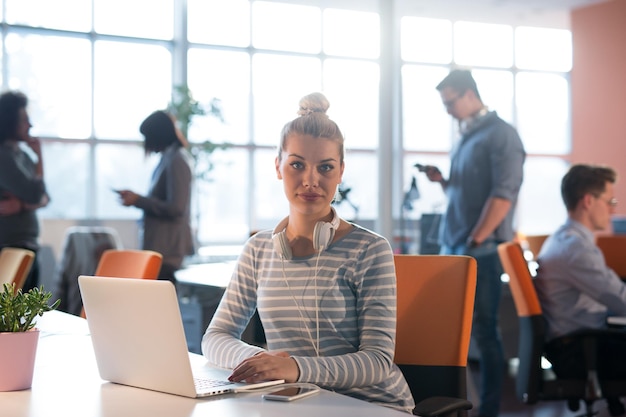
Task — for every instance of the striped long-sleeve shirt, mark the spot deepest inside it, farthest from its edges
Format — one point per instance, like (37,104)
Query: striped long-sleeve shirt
(354,293)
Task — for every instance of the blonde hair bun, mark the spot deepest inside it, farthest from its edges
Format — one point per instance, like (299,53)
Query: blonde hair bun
(313,103)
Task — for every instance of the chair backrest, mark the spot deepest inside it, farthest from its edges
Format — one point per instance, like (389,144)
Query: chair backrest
(128,263)
(435,295)
(82,249)
(614,249)
(15,264)
(534,243)
(531,322)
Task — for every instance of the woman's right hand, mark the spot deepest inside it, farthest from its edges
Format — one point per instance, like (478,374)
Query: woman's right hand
(127,197)
(266,366)
(433,173)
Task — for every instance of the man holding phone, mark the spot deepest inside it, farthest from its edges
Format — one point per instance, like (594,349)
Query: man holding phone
(485,178)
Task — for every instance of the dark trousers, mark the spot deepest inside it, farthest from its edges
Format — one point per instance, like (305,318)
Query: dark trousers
(485,327)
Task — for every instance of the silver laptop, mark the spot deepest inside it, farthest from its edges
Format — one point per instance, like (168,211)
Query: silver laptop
(139,340)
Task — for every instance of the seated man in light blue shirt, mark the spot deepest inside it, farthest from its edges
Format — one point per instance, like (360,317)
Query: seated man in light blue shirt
(576,289)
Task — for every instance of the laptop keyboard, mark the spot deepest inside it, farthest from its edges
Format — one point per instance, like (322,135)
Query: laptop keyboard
(203,384)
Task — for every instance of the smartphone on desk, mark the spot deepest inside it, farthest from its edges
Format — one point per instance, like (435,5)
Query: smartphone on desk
(290,394)
(616,321)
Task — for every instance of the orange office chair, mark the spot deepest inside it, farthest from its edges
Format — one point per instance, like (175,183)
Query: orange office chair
(127,263)
(15,264)
(435,296)
(533,383)
(613,248)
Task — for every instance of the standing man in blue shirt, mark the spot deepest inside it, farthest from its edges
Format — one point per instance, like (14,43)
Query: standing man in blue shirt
(485,178)
(576,289)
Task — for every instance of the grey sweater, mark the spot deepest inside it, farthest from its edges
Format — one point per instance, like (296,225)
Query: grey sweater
(17,178)
(355,292)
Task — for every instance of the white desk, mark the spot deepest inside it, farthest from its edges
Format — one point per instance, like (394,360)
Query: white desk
(66,382)
(200,288)
(216,274)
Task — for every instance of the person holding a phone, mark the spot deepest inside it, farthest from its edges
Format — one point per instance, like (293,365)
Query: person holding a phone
(324,288)
(22,185)
(485,177)
(166,207)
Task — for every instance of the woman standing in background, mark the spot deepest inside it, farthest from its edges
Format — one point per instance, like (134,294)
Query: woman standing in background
(22,187)
(166,208)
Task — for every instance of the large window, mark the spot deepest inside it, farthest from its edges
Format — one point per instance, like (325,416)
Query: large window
(94,74)
(522,73)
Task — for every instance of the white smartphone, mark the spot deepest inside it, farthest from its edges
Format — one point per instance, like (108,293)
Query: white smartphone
(290,394)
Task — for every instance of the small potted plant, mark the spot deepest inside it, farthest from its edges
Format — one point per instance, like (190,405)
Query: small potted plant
(18,335)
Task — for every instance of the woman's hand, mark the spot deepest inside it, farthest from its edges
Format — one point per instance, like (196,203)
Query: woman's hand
(433,173)
(10,205)
(127,197)
(34,144)
(266,366)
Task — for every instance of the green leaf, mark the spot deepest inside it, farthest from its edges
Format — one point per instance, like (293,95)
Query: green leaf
(18,310)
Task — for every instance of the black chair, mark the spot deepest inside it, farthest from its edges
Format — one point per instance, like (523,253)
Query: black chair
(533,383)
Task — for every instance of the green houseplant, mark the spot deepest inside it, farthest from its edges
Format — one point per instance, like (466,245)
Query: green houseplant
(185,107)
(18,335)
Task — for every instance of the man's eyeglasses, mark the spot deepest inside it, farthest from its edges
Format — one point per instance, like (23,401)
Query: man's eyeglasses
(450,103)
(612,202)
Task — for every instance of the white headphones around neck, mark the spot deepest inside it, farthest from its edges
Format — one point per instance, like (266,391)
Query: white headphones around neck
(323,235)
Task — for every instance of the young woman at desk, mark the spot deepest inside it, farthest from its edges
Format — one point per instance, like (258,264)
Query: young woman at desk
(324,288)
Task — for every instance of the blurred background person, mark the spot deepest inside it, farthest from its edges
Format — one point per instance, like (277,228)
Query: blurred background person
(576,288)
(486,172)
(166,209)
(22,186)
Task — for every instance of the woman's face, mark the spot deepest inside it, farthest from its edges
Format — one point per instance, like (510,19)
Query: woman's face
(311,170)
(23,125)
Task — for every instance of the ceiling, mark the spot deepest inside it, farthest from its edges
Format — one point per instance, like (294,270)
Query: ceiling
(552,13)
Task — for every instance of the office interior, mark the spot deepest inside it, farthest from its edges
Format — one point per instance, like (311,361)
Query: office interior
(87,112)
(89,123)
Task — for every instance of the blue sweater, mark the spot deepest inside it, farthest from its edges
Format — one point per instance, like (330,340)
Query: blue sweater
(488,162)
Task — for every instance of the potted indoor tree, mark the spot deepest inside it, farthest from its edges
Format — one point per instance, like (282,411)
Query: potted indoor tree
(18,335)
(184,107)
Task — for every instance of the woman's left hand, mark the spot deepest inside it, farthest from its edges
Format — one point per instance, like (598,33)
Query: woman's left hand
(34,144)
(266,366)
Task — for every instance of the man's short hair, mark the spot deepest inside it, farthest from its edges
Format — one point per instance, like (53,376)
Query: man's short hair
(582,179)
(460,80)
